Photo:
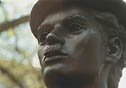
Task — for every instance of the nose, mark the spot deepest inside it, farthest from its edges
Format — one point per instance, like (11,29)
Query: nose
(54,39)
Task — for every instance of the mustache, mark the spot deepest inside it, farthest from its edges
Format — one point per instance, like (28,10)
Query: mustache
(52,48)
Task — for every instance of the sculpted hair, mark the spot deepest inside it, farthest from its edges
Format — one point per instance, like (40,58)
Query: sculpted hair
(111,28)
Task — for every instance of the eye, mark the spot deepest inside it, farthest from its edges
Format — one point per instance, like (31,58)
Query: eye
(42,38)
(76,28)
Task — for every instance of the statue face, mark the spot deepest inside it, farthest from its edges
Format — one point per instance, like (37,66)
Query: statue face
(70,44)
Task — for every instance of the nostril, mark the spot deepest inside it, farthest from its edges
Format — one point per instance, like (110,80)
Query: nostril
(53,39)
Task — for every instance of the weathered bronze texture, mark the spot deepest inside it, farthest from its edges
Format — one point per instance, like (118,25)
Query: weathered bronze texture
(80,46)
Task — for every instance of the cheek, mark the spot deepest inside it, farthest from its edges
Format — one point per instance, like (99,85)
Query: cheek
(94,53)
(90,56)
(76,43)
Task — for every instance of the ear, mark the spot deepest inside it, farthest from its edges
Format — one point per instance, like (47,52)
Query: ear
(114,50)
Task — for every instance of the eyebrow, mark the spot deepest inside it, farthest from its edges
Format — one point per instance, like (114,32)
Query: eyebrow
(45,27)
(73,17)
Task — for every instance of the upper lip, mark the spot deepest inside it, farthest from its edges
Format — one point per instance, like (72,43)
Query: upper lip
(53,55)
(52,51)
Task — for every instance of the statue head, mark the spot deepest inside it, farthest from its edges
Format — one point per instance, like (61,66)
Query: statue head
(81,42)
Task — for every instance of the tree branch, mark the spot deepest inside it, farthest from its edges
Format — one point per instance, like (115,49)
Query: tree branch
(11,76)
(6,25)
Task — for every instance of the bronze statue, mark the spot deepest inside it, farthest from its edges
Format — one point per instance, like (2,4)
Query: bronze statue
(82,43)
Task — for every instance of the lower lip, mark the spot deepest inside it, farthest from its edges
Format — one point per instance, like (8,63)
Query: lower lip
(54,59)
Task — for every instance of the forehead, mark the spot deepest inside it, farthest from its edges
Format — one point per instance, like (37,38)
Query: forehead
(64,13)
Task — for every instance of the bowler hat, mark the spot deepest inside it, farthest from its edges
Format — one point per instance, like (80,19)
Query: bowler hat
(45,7)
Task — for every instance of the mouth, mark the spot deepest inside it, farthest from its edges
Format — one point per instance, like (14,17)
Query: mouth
(54,57)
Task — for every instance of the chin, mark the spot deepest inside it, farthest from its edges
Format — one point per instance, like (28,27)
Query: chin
(56,67)
(59,73)
(55,70)
(53,73)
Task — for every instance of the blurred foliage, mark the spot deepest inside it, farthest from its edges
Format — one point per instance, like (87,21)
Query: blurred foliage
(28,76)
(18,47)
